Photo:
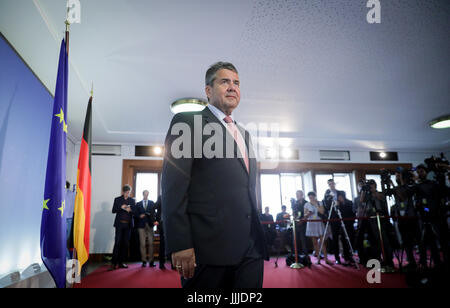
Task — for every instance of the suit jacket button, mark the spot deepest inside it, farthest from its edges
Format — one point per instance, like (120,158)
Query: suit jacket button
(249,216)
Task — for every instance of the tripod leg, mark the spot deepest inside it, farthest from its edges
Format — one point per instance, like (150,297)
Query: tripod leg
(347,238)
(324,234)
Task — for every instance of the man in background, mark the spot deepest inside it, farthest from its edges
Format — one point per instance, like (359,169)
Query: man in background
(123,207)
(298,206)
(268,227)
(145,218)
(331,195)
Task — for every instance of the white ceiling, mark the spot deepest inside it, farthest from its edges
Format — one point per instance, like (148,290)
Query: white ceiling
(316,67)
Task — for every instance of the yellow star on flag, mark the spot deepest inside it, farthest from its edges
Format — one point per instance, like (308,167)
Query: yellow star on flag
(45,204)
(63,205)
(65,127)
(60,116)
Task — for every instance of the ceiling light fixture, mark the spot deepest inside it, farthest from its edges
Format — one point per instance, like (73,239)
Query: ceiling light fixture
(441,122)
(382,154)
(188,105)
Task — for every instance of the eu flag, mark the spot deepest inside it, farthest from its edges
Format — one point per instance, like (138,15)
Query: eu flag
(53,225)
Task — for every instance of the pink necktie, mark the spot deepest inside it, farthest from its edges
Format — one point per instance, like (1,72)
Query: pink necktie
(238,138)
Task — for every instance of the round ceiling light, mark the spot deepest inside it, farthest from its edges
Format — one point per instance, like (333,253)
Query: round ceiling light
(188,105)
(441,123)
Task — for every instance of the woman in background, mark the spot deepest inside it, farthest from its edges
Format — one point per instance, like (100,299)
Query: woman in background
(315,229)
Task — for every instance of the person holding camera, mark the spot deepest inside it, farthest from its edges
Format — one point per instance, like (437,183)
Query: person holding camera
(331,195)
(376,206)
(346,208)
(298,206)
(403,214)
(428,205)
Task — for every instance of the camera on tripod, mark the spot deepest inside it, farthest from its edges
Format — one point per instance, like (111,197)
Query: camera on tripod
(366,186)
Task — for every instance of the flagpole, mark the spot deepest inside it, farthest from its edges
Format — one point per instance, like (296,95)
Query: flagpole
(67,36)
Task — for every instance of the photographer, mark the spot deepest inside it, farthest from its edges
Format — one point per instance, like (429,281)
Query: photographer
(375,203)
(298,207)
(268,227)
(433,230)
(346,208)
(403,213)
(331,195)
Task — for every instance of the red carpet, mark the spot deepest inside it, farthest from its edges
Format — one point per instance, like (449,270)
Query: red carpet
(318,276)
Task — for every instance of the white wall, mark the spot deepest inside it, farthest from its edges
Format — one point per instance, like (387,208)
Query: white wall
(106,185)
(71,162)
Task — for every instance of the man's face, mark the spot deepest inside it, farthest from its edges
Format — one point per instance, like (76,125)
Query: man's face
(145,194)
(126,194)
(422,173)
(266,210)
(332,185)
(300,195)
(283,209)
(373,188)
(225,93)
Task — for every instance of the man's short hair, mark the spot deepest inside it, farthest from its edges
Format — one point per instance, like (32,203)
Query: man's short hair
(311,193)
(372,182)
(422,166)
(283,207)
(213,69)
(330,180)
(341,193)
(126,188)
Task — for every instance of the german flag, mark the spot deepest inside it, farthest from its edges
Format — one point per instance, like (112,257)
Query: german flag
(82,208)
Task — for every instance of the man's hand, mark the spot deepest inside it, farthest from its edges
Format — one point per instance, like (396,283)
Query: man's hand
(184,262)
(156,223)
(142,216)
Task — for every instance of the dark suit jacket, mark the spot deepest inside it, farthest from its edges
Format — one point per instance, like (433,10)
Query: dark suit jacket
(209,204)
(117,209)
(327,202)
(149,217)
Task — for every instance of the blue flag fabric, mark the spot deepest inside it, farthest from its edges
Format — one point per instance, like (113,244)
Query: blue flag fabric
(53,225)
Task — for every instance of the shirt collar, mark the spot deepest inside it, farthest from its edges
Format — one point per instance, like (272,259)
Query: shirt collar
(219,114)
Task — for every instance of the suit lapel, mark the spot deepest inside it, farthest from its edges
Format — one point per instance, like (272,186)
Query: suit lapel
(209,117)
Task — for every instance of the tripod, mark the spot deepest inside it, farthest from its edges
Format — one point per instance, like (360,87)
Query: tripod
(338,211)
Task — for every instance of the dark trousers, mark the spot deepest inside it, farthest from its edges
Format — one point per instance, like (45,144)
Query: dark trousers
(120,251)
(371,228)
(409,231)
(248,274)
(162,247)
(339,235)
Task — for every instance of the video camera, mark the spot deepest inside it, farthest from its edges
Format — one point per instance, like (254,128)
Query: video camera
(436,164)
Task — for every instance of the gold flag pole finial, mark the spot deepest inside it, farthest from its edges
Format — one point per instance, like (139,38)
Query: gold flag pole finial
(92,89)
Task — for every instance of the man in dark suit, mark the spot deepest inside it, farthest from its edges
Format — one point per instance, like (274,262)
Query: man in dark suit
(123,207)
(162,241)
(145,220)
(268,227)
(346,208)
(331,195)
(211,220)
(298,207)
